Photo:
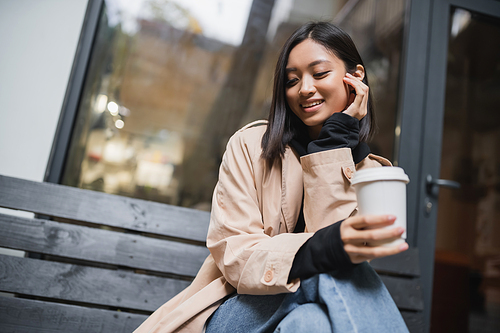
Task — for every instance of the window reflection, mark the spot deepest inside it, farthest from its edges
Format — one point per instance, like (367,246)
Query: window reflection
(377,28)
(169,81)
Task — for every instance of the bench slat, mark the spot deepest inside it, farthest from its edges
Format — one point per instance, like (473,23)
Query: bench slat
(128,290)
(101,208)
(405,263)
(22,315)
(405,292)
(109,247)
(28,316)
(86,284)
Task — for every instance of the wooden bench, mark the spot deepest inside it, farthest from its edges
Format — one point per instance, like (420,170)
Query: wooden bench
(102,263)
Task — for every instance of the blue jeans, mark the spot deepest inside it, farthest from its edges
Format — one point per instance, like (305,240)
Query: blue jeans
(354,300)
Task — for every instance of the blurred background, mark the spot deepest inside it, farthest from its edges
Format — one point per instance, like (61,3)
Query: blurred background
(168,82)
(139,97)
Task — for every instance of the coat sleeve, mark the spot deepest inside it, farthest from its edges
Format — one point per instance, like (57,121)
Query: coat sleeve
(250,260)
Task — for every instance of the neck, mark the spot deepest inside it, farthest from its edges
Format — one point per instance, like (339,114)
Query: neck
(313,131)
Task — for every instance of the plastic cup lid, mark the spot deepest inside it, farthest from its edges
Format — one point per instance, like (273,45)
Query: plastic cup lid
(380,173)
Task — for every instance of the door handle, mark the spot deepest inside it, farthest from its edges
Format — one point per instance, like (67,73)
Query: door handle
(431,183)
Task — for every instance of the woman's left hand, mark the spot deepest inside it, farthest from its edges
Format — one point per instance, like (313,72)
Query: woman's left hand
(357,232)
(358,108)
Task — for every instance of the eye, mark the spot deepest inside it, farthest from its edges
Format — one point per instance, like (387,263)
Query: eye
(291,82)
(321,74)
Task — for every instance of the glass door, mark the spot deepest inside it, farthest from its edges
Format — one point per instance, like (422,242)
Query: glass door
(459,228)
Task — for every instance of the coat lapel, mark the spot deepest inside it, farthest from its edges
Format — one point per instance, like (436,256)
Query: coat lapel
(292,187)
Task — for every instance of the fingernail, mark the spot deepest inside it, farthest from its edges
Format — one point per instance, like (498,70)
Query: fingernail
(403,246)
(391,217)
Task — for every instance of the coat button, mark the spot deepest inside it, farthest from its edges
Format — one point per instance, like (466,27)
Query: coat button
(348,173)
(268,276)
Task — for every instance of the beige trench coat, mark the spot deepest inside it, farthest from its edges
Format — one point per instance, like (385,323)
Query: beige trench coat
(254,211)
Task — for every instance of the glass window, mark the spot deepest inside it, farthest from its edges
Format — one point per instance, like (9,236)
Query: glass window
(377,27)
(466,291)
(169,81)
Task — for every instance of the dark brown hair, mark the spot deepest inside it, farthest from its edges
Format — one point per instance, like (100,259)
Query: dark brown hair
(283,123)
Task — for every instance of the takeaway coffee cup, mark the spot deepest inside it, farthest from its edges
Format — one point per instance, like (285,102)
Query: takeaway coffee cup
(382,191)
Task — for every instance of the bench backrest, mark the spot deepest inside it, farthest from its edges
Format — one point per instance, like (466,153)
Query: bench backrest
(103,263)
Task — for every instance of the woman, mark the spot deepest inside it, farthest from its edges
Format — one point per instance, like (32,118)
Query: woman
(288,252)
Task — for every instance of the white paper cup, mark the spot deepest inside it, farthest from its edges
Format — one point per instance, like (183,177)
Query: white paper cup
(382,191)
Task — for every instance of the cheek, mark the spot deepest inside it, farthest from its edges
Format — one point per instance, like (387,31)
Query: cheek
(289,96)
(339,92)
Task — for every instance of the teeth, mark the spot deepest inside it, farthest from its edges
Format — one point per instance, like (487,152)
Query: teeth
(312,104)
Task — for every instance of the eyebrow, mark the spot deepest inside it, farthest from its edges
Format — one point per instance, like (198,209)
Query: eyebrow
(312,64)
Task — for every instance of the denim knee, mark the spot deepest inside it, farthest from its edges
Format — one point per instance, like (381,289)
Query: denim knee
(309,317)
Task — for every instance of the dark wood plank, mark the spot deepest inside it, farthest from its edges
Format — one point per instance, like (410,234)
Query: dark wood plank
(414,321)
(104,246)
(406,263)
(86,284)
(101,208)
(407,293)
(29,316)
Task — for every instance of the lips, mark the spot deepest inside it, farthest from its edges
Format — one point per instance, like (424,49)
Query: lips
(312,105)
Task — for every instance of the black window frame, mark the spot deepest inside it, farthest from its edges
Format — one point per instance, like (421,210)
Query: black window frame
(65,125)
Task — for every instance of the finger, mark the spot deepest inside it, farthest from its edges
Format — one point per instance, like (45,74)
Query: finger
(360,101)
(373,236)
(353,89)
(349,75)
(357,106)
(371,221)
(360,87)
(374,252)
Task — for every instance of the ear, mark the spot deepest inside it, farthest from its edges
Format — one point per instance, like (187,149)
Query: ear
(360,72)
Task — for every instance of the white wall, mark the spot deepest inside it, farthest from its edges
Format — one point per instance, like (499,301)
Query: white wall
(38,40)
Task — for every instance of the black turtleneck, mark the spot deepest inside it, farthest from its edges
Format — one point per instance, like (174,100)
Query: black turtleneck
(324,251)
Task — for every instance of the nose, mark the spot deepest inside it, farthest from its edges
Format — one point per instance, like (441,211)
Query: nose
(307,87)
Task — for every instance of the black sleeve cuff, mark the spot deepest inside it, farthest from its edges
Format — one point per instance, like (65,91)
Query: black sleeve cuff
(360,152)
(322,253)
(339,131)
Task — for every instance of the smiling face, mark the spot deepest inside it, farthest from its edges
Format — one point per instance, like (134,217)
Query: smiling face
(314,86)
